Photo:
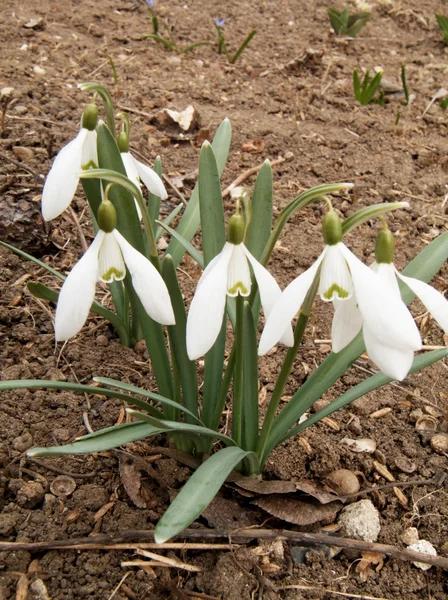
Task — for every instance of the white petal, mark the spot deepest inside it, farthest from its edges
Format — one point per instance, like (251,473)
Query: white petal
(148,283)
(270,292)
(393,362)
(89,159)
(63,178)
(131,173)
(77,293)
(287,306)
(386,272)
(207,307)
(111,265)
(383,312)
(347,322)
(151,180)
(433,300)
(335,278)
(238,273)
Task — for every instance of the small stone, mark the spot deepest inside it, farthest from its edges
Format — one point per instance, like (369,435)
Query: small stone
(6,92)
(20,109)
(405,464)
(102,340)
(361,520)
(409,536)
(30,494)
(355,425)
(34,23)
(25,154)
(424,547)
(54,374)
(23,442)
(39,70)
(439,443)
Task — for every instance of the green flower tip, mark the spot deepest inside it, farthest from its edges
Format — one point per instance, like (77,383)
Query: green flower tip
(235,229)
(90,117)
(332,228)
(123,142)
(384,247)
(107,216)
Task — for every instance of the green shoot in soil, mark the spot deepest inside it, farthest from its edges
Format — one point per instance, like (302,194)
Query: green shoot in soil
(344,23)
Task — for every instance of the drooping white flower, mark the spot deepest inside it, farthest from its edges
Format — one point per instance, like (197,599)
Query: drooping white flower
(106,260)
(138,173)
(228,274)
(63,178)
(390,333)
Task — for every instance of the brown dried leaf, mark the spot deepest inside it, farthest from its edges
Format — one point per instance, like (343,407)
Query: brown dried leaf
(22,587)
(224,513)
(299,512)
(131,469)
(285,487)
(253,146)
(367,562)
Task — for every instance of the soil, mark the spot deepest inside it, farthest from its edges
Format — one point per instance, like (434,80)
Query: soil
(291,90)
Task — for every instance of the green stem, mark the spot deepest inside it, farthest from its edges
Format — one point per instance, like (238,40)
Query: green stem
(299,331)
(237,409)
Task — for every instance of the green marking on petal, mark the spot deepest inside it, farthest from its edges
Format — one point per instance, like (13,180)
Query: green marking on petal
(112,274)
(336,289)
(238,287)
(90,165)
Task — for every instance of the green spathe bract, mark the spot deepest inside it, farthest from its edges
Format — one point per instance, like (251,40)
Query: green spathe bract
(189,414)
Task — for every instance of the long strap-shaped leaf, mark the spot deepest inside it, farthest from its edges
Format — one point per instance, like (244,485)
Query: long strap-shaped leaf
(363,388)
(198,492)
(113,437)
(190,220)
(424,266)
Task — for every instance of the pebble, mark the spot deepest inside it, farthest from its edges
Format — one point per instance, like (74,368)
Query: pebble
(20,109)
(39,70)
(23,153)
(30,494)
(409,536)
(424,547)
(439,443)
(54,374)
(361,520)
(23,442)
(102,340)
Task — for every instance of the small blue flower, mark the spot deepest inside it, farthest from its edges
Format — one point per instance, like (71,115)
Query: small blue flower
(219,22)
(150,3)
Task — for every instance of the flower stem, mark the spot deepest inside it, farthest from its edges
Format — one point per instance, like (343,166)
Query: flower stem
(299,331)
(237,410)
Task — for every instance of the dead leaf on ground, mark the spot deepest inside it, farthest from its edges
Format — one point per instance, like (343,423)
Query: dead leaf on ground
(367,562)
(187,120)
(285,487)
(132,469)
(225,513)
(253,146)
(299,512)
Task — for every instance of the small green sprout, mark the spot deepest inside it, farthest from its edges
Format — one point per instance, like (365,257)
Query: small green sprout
(365,91)
(170,43)
(443,25)
(444,103)
(405,85)
(344,23)
(222,46)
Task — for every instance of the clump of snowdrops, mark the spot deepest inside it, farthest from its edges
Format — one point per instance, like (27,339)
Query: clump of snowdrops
(369,304)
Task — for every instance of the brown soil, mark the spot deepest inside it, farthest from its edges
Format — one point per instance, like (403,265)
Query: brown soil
(291,89)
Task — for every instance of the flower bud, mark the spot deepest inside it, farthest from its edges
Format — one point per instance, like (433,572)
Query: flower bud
(384,247)
(235,229)
(107,216)
(90,117)
(332,228)
(123,142)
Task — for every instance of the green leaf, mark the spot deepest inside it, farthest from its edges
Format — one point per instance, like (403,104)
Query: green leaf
(356,84)
(211,207)
(166,425)
(190,220)
(109,157)
(36,261)
(39,290)
(261,224)
(363,388)
(193,46)
(195,254)
(250,381)
(370,212)
(198,492)
(102,440)
(121,385)
(243,46)
(169,219)
(443,25)
(187,367)
(86,389)
(424,266)
(161,40)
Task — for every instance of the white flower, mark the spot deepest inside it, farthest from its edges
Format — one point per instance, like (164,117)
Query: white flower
(390,334)
(106,260)
(137,172)
(228,274)
(348,320)
(63,178)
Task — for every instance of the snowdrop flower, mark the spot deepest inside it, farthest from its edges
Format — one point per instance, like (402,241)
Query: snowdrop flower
(63,178)
(137,172)
(389,331)
(106,260)
(348,320)
(228,274)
